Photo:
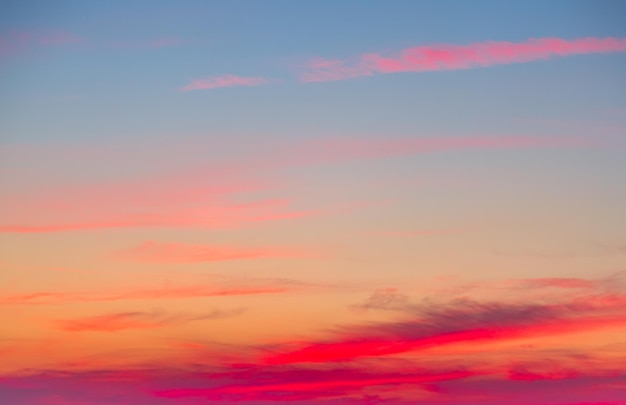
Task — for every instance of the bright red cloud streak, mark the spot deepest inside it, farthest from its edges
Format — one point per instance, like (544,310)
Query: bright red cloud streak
(454,57)
(351,349)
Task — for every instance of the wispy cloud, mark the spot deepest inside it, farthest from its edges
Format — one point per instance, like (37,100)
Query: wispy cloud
(52,298)
(452,57)
(331,150)
(206,198)
(216,215)
(425,232)
(18,41)
(228,80)
(137,320)
(183,253)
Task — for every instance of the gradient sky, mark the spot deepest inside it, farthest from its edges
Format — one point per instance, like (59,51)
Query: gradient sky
(313,202)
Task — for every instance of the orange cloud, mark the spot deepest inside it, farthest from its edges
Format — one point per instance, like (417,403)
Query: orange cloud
(182,253)
(215,215)
(136,320)
(452,57)
(51,298)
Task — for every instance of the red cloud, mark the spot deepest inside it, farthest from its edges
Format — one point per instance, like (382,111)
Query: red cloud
(182,253)
(223,81)
(453,57)
(310,384)
(464,321)
(342,351)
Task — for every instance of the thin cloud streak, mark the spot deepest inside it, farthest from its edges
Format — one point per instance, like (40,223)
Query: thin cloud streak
(181,202)
(454,57)
(177,253)
(223,81)
(137,320)
(18,41)
(52,298)
(213,216)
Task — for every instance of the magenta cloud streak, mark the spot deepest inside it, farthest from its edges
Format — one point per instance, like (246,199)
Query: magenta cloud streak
(453,57)
(223,81)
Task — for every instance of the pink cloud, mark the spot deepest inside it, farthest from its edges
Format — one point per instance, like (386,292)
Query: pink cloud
(17,41)
(309,384)
(223,81)
(453,57)
(330,150)
(207,198)
(182,253)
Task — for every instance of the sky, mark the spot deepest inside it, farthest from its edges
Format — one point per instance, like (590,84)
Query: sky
(313,202)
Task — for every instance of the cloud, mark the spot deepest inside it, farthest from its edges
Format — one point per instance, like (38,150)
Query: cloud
(52,298)
(426,232)
(560,282)
(461,321)
(388,299)
(297,385)
(155,252)
(333,386)
(207,198)
(223,81)
(137,320)
(213,215)
(342,149)
(387,362)
(453,57)
(17,41)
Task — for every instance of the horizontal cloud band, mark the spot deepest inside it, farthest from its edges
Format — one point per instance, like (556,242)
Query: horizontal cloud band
(454,57)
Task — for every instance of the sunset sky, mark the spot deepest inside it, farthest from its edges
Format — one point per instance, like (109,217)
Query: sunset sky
(313,202)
